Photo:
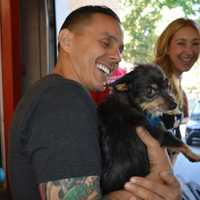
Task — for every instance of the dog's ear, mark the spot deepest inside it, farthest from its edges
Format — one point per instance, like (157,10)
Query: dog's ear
(121,87)
(121,84)
(125,79)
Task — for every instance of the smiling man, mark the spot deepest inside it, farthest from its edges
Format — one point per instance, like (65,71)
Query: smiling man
(54,149)
(91,53)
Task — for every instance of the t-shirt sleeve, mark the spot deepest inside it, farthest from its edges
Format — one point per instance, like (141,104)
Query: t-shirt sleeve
(64,136)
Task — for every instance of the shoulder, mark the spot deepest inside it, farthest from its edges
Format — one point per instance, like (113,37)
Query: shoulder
(54,91)
(54,98)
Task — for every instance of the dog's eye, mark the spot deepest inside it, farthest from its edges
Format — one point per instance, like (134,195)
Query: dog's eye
(151,92)
(166,84)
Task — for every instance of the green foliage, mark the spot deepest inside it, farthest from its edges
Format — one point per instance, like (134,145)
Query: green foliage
(141,21)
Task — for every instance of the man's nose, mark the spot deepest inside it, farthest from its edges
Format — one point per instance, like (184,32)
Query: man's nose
(116,55)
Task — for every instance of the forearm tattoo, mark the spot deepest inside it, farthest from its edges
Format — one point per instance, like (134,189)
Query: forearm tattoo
(82,188)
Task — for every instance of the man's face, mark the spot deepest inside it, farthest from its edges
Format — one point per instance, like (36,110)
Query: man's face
(184,49)
(96,51)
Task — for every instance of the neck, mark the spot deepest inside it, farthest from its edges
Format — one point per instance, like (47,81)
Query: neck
(65,69)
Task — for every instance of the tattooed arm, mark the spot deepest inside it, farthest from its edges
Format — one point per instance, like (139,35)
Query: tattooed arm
(81,188)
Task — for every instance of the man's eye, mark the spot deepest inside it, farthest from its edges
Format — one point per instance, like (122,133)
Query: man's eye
(105,44)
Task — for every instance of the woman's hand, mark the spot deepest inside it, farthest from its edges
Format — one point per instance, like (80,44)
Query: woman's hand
(160,184)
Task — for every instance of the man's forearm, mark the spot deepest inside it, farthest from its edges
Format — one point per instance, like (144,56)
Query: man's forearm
(81,188)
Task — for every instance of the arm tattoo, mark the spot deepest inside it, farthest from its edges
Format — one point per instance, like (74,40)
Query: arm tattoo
(81,188)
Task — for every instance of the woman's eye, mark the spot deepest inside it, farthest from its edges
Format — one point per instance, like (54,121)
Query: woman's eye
(196,44)
(181,44)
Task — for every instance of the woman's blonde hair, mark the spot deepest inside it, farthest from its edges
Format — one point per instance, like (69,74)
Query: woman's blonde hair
(161,53)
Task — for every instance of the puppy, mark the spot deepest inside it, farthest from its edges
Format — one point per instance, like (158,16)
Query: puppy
(139,98)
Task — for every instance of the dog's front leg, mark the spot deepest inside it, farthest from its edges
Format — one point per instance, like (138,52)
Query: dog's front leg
(187,152)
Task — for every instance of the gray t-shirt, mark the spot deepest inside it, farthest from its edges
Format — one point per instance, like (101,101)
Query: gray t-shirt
(54,135)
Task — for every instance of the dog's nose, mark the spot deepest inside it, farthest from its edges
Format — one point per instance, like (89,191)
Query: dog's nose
(172,105)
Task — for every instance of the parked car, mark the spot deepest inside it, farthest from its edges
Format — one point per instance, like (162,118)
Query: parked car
(192,132)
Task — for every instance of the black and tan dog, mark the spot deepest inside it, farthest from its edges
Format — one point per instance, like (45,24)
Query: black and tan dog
(138,99)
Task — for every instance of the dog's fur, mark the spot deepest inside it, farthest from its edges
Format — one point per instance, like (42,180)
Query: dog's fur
(139,98)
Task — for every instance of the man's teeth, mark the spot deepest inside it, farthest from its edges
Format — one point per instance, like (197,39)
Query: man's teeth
(104,69)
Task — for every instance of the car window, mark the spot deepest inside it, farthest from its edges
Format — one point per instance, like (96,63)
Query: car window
(195,115)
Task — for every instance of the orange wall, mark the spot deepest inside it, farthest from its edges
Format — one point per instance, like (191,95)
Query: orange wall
(9,63)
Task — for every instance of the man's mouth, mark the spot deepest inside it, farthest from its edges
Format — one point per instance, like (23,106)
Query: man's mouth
(104,69)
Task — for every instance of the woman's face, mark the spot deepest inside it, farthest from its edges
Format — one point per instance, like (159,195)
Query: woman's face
(184,49)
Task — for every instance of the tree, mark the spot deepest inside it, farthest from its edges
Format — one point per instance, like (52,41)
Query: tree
(141,21)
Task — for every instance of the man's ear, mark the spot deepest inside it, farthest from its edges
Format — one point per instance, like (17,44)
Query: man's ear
(65,39)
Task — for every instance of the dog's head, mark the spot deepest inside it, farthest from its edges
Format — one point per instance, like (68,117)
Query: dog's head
(148,87)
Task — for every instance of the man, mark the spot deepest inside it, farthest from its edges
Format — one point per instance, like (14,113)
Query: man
(54,151)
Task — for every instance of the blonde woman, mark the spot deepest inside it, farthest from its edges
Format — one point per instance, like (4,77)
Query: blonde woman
(177,49)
